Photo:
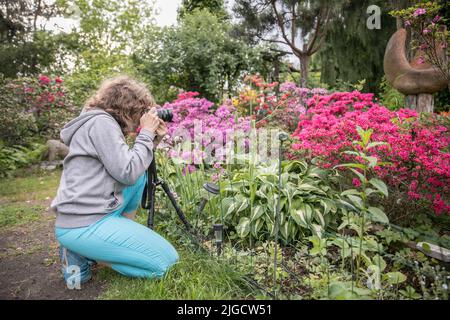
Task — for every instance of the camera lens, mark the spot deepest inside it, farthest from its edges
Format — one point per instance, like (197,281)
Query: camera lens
(165,114)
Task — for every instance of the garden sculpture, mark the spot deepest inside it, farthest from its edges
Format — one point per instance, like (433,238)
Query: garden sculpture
(411,77)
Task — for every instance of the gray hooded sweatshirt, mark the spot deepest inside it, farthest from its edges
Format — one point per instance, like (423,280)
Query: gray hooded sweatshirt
(98,167)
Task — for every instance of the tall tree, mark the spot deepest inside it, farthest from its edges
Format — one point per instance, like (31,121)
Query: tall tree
(352,52)
(197,55)
(216,7)
(109,32)
(298,25)
(25,46)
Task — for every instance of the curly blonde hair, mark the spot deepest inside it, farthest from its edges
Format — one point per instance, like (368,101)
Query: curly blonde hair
(126,99)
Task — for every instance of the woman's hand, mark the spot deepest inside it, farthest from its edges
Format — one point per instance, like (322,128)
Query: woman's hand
(150,121)
(160,132)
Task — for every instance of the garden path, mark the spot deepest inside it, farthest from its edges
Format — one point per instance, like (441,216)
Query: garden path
(29,263)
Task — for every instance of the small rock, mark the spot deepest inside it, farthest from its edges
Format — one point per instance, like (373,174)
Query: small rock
(56,150)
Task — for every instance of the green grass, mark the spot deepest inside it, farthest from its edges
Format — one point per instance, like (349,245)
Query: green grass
(19,214)
(21,197)
(195,276)
(34,186)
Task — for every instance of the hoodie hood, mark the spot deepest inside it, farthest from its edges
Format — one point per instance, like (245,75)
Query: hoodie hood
(72,126)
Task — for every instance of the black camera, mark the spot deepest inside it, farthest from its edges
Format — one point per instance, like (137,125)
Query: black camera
(165,115)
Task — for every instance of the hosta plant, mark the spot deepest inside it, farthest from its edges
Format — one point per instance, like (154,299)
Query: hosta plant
(308,201)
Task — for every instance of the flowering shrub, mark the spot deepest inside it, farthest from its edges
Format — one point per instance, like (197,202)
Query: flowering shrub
(291,105)
(46,100)
(270,108)
(417,150)
(257,98)
(44,95)
(191,113)
(17,125)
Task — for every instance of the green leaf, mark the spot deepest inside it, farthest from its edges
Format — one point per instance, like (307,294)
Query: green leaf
(378,261)
(302,216)
(394,277)
(350,191)
(243,228)
(353,153)
(360,175)
(364,134)
(243,205)
(375,144)
(376,214)
(380,186)
(257,212)
(285,231)
(372,161)
(356,200)
(351,165)
(256,227)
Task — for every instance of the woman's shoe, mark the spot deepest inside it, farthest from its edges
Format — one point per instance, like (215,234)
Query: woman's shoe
(75,268)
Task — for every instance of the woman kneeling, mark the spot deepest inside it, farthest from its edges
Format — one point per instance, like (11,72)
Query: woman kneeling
(102,184)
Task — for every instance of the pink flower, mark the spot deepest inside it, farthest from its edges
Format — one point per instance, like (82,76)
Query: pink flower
(421,60)
(407,23)
(419,12)
(416,150)
(436,19)
(58,80)
(44,79)
(356,182)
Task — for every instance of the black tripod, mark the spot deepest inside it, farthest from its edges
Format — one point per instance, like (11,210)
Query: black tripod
(148,197)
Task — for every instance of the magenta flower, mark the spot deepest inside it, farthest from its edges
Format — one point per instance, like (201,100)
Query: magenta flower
(436,19)
(44,80)
(419,160)
(421,60)
(356,182)
(419,12)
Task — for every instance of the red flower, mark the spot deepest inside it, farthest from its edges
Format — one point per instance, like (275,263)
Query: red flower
(58,80)
(356,182)
(44,80)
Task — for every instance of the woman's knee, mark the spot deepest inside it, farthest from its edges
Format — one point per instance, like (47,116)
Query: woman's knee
(169,257)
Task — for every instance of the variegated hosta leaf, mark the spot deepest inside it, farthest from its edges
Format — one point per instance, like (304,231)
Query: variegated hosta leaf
(257,212)
(302,216)
(243,228)
(255,227)
(285,231)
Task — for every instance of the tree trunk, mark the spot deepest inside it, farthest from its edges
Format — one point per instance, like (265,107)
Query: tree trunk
(276,74)
(304,64)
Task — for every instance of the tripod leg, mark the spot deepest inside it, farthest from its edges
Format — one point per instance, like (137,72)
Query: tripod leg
(175,205)
(151,209)
(149,194)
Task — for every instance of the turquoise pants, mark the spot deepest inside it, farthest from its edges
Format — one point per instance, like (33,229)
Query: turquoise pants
(129,247)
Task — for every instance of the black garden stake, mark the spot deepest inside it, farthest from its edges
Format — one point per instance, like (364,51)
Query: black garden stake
(282,137)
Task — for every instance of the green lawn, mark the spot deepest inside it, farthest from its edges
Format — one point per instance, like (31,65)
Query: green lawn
(19,214)
(23,199)
(29,186)
(195,276)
